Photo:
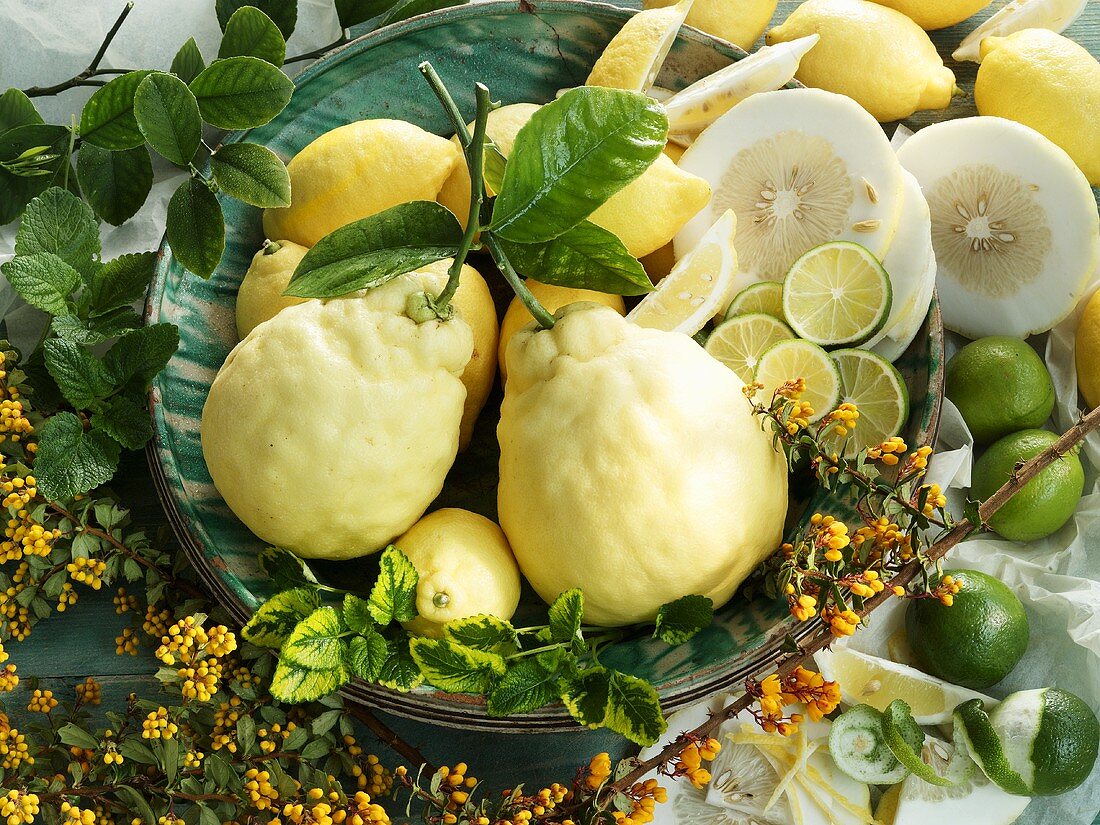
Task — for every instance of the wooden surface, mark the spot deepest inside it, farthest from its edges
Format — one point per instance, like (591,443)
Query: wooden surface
(64,649)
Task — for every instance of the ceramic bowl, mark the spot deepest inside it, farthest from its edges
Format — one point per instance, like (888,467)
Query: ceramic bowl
(537,49)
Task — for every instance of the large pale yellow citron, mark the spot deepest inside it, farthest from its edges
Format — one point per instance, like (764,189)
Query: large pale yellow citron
(330,428)
(552,298)
(936,14)
(356,171)
(1048,82)
(632,467)
(873,54)
(261,297)
(645,214)
(738,21)
(1087,352)
(465,568)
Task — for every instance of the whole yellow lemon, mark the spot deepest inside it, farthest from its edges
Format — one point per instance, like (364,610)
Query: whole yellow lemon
(936,14)
(739,21)
(260,295)
(466,568)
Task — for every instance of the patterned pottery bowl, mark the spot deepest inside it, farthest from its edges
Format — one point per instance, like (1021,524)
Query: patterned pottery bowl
(536,49)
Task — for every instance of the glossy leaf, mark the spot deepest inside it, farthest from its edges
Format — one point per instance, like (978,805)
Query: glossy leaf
(168,115)
(115,183)
(455,668)
(188,62)
(107,119)
(16,191)
(571,156)
(393,596)
(586,257)
(251,173)
(374,250)
(196,228)
(59,223)
(42,280)
(16,109)
(241,92)
(97,328)
(353,12)
(679,620)
(71,461)
(251,32)
(284,13)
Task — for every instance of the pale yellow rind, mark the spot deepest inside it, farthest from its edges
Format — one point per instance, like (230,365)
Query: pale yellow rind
(936,14)
(741,22)
(260,295)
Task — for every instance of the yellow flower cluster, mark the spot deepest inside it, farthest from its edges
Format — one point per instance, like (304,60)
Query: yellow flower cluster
(8,679)
(889,451)
(18,491)
(829,535)
(224,732)
(841,622)
(66,597)
(24,536)
(126,642)
(156,621)
(690,761)
(370,775)
(157,725)
(197,650)
(13,748)
(644,797)
(18,807)
(866,585)
(89,692)
(936,499)
(326,809)
(844,419)
(802,687)
(271,738)
(192,760)
(42,701)
(804,607)
(87,571)
(599,769)
(111,756)
(918,459)
(259,790)
(77,816)
(947,589)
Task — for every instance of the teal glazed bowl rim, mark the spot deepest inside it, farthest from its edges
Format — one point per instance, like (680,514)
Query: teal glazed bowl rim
(426,704)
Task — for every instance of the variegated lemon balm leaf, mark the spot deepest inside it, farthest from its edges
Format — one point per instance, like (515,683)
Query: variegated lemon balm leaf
(633,709)
(393,597)
(566,614)
(277,617)
(455,668)
(400,671)
(311,663)
(366,655)
(486,633)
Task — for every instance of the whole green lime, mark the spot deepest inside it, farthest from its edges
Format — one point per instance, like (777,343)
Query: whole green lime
(1000,385)
(977,640)
(1042,505)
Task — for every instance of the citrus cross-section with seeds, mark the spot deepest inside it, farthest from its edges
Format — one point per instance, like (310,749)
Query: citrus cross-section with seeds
(739,342)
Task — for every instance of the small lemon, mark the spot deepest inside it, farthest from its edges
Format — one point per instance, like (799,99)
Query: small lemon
(356,171)
(261,293)
(936,14)
(739,21)
(553,298)
(466,568)
(635,54)
(1048,82)
(1088,352)
(658,264)
(875,55)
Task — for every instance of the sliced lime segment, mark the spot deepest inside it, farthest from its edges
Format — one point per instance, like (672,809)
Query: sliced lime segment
(794,359)
(877,389)
(740,342)
(766,297)
(837,294)
(905,738)
(858,746)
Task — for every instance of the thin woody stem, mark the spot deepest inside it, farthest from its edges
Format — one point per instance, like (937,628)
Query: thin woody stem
(389,737)
(83,79)
(1022,475)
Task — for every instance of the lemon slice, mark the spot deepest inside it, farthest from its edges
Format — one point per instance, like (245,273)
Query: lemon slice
(739,342)
(791,360)
(703,102)
(837,294)
(877,389)
(868,680)
(766,297)
(1056,15)
(634,56)
(697,288)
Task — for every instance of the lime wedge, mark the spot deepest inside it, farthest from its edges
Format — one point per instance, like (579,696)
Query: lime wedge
(877,389)
(698,287)
(794,359)
(766,297)
(837,294)
(739,342)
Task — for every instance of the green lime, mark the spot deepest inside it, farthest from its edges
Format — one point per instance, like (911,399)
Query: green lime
(766,297)
(739,342)
(1000,386)
(1035,743)
(1045,503)
(977,640)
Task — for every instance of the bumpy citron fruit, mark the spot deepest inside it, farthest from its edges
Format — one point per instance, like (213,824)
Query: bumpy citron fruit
(1014,224)
(358,170)
(741,22)
(1048,82)
(691,492)
(1017,15)
(936,14)
(261,292)
(1087,352)
(389,401)
(635,54)
(799,168)
(552,298)
(874,54)
(465,568)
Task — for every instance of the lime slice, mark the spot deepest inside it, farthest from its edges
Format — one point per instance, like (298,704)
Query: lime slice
(739,342)
(634,56)
(766,297)
(837,294)
(697,288)
(791,360)
(877,389)
(878,682)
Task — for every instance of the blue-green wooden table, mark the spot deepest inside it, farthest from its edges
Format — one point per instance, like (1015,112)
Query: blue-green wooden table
(70,646)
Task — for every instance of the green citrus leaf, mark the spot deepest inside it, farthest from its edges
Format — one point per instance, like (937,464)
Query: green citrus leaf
(122,281)
(679,620)
(393,596)
(374,250)
(71,461)
(168,115)
(188,62)
(107,119)
(317,641)
(196,228)
(59,223)
(566,614)
(241,92)
(16,109)
(526,686)
(353,12)
(634,710)
(455,668)
(251,173)
(81,377)
(574,154)
(43,281)
(486,633)
(283,12)
(115,183)
(126,420)
(586,257)
(366,654)
(250,32)
(276,618)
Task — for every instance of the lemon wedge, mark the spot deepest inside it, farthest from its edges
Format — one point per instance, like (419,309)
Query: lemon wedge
(634,56)
(698,288)
(1056,15)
